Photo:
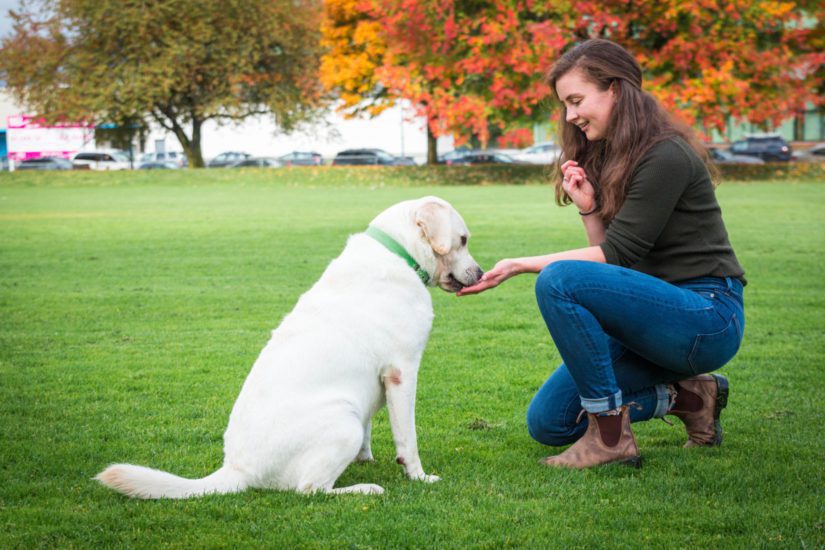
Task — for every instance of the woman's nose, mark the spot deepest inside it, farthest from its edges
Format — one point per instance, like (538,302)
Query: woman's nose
(570,115)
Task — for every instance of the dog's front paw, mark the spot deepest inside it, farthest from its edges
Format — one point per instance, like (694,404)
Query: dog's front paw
(426,478)
(365,457)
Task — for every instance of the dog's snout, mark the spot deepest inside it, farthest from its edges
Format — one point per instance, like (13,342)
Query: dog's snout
(474,274)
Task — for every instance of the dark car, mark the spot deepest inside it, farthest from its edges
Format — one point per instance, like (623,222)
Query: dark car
(482,157)
(258,162)
(45,163)
(353,157)
(302,158)
(227,159)
(768,148)
(726,157)
(448,158)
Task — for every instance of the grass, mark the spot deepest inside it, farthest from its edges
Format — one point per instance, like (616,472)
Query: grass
(133,305)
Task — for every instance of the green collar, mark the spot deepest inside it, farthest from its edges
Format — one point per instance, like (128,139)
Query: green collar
(393,246)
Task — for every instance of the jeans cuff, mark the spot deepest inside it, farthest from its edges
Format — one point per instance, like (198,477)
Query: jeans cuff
(602,404)
(662,401)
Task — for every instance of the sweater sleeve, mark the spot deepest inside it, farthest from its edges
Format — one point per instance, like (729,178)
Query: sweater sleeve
(655,188)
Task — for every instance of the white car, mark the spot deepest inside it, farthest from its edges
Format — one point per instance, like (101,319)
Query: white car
(102,160)
(544,152)
(175,157)
(813,154)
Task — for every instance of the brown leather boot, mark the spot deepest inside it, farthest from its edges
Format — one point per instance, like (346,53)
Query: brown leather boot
(608,439)
(699,403)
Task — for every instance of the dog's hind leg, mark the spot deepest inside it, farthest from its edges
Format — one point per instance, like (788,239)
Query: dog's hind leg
(331,457)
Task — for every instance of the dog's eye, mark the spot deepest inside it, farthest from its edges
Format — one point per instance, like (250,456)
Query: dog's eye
(464,240)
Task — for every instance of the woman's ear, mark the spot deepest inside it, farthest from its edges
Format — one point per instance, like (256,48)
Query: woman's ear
(614,89)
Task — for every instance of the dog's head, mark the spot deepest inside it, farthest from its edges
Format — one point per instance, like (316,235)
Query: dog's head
(443,231)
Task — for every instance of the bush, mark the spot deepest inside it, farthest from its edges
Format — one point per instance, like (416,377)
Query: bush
(773,171)
(544,175)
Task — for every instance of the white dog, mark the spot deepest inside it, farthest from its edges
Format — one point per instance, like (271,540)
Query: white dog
(353,342)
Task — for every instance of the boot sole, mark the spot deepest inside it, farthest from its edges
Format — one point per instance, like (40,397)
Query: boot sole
(722,391)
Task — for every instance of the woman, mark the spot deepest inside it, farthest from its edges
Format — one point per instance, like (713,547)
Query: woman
(655,301)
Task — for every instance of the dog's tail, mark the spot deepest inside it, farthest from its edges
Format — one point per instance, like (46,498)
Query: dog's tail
(142,482)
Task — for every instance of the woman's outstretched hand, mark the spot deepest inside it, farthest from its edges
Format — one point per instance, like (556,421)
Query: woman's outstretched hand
(502,271)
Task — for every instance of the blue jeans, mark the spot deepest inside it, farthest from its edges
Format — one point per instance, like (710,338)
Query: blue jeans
(624,336)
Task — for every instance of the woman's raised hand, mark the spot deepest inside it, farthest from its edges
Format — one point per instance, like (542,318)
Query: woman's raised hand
(577,186)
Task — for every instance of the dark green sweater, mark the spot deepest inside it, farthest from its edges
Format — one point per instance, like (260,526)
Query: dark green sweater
(670,225)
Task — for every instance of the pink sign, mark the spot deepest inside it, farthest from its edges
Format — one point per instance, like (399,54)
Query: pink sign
(27,137)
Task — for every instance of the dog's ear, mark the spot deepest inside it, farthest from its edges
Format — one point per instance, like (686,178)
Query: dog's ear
(434,220)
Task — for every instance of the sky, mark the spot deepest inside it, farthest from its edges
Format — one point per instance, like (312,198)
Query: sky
(392,131)
(5,20)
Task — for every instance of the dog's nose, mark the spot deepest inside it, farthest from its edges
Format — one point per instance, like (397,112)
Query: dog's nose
(478,272)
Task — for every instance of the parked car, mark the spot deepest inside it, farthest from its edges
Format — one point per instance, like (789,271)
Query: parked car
(726,157)
(102,160)
(769,148)
(176,157)
(227,159)
(814,154)
(404,161)
(482,157)
(545,152)
(44,163)
(302,158)
(447,158)
(352,157)
(159,165)
(258,162)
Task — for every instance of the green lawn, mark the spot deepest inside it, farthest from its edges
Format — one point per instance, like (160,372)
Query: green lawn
(133,305)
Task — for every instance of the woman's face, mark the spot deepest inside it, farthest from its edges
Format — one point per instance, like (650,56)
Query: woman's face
(585,104)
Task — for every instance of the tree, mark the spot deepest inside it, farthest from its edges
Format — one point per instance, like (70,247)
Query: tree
(475,68)
(178,63)
(353,49)
(355,54)
(706,61)
(472,68)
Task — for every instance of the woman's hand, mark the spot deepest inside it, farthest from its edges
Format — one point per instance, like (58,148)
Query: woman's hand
(577,186)
(502,271)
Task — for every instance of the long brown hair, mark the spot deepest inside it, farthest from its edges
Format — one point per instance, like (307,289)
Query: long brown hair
(637,123)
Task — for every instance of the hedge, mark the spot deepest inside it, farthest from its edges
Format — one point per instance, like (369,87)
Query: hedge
(538,174)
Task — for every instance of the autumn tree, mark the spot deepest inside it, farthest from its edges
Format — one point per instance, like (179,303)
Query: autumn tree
(471,67)
(706,61)
(354,61)
(178,63)
(353,49)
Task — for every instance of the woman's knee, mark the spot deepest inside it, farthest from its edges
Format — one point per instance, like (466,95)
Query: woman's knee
(556,277)
(560,280)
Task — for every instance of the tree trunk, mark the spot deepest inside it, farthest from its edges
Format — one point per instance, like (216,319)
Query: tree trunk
(191,147)
(195,156)
(432,147)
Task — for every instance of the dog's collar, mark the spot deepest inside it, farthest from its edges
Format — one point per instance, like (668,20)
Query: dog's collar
(393,246)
